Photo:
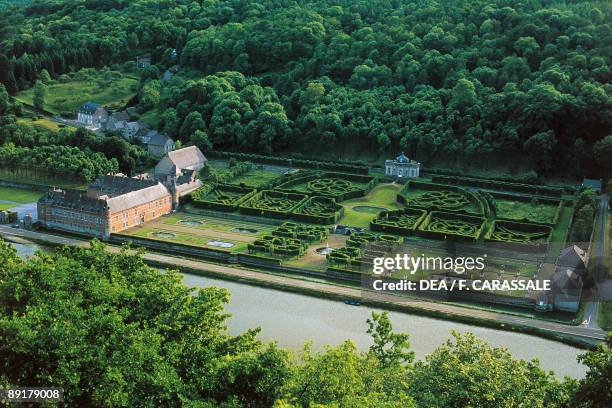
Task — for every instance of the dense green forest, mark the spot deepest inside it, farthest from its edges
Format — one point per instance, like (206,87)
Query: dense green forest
(113,332)
(449,82)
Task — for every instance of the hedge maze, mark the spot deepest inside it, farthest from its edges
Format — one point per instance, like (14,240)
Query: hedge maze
(220,197)
(443,225)
(438,197)
(305,232)
(520,235)
(330,186)
(289,240)
(345,256)
(272,203)
(319,210)
(402,222)
(360,238)
(336,185)
(277,246)
(445,200)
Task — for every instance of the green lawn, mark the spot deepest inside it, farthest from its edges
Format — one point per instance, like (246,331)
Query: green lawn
(382,196)
(42,123)
(519,210)
(109,88)
(256,177)
(18,195)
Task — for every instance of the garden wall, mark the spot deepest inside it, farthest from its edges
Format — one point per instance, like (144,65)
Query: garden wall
(171,247)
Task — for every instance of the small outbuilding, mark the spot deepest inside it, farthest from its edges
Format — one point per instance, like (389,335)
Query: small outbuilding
(402,166)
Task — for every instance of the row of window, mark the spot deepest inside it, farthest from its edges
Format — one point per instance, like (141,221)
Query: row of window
(76,215)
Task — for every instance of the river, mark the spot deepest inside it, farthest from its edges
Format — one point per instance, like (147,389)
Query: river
(292,319)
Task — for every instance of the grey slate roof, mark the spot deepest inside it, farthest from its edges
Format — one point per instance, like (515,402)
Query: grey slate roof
(573,257)
(159,139)
(74,200)
(186,157)
(89,108)
(115,185)
(136,198)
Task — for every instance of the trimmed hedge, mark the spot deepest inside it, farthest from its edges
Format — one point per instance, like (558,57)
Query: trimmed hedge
(521,235)
(220,198)
(342,166)
(304,232)
(503,185)
(457,191)
(272,203)
(359,238)
(401,222)
(445,225)
(337,185)
(289,240)
(318,210)
(522,198)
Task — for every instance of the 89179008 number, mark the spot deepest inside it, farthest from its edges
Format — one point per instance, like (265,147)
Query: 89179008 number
(30,394)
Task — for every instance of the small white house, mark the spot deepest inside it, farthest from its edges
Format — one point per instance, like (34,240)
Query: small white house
(92,115)
(402,166)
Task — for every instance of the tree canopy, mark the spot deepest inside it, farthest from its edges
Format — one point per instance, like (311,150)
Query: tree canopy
(447,81)
(114,332)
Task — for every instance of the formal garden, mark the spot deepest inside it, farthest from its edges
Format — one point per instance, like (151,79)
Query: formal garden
(287,217)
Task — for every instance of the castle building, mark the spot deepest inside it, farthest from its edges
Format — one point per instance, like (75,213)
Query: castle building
(402,166)
(111,204)
(178,170)
(114,203)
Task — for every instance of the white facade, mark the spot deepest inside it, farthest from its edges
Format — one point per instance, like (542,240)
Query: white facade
(402,166)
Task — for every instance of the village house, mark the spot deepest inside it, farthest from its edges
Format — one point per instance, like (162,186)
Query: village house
(566,285)
(92,115)
(159,144)
(174,162)
(143,61)
(402,166)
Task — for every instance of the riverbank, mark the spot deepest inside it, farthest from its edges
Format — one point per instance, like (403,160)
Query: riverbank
(572,335)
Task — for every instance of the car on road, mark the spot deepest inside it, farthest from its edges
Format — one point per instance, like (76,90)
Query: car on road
(15,226)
